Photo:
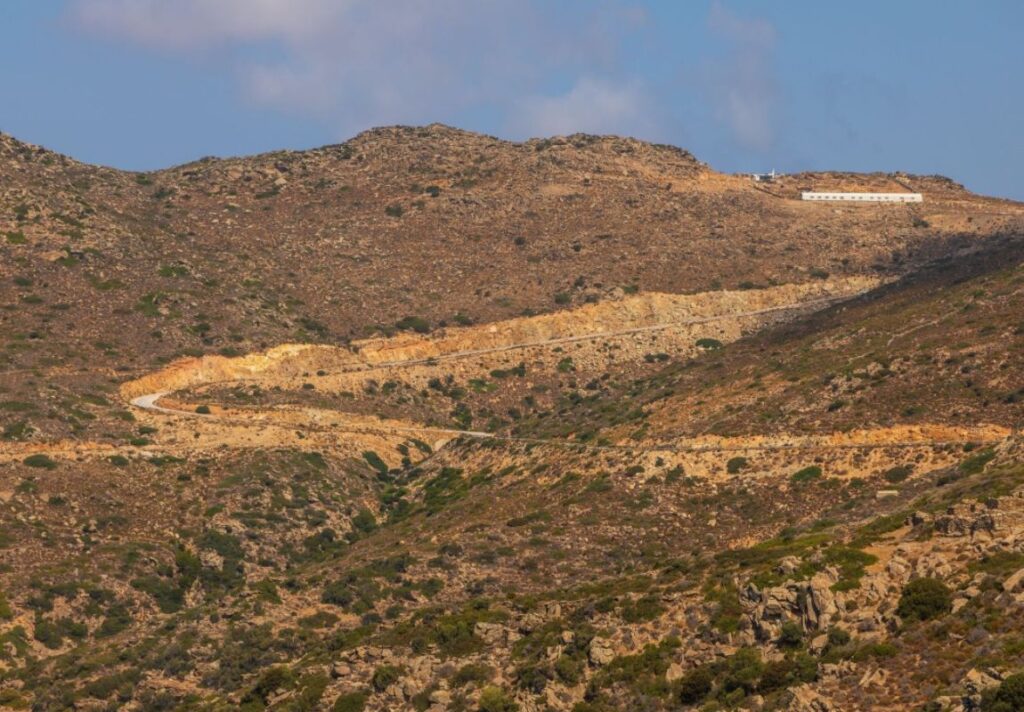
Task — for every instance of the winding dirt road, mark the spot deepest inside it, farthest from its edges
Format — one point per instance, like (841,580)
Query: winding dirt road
(187,431)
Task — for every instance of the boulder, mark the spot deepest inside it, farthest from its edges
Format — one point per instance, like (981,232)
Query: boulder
(674,672)
(803,698)
(977,681)
(820,603)
(817,644)
(490,633)
(1014,582)
(601,651)
(440,697)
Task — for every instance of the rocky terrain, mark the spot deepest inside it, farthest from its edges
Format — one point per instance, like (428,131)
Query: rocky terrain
(434,421)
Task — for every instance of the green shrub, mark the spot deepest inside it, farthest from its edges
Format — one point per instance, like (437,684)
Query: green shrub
(645,608)
(735,464)
(447,487)
(40,461)
(374,461)
(350,702)
(875,650)
(463,415)
(924,599)
(118,619)
(851,563)
(169,597)
(494,699)
(1008,697)
(385,676)
(272,680)
(6,613)
(743,671)
(203,409)
(807,474)
(173,271)
(473,672)
(976,463)
(519,371)
(52,634)
(709,344)
(569,669)
(695,685)
(104,687)
(364,521)
(898,474)
(838,637)
(532,518)
(413,323)
(311,688)
(791,635)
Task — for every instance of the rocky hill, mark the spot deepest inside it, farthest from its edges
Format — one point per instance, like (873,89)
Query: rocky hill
(434,421)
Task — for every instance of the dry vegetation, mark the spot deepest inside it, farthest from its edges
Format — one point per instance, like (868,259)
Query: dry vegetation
(433,421)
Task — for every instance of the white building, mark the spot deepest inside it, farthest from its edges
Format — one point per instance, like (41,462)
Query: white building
(864,197)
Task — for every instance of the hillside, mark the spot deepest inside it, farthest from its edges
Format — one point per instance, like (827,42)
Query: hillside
(429,420)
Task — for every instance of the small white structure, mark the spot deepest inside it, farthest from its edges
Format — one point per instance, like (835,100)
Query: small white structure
(765,177)
(864,197)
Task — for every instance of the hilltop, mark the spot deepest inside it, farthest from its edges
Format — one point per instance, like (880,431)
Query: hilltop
(431,420)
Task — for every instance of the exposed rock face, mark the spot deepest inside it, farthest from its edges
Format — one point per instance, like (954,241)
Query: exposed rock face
(601,651)
(806,699)
(810,603)
(995,517)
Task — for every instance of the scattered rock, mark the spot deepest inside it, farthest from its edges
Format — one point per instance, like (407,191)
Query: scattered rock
(601,651)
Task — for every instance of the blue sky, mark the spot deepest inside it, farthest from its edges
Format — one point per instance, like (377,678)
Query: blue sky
(925,86)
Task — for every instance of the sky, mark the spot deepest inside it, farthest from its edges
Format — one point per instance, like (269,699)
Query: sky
(922,86)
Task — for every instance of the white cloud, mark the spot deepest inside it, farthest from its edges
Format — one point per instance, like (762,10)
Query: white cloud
(353,63)
(743,85)
(359,63)
(592,105)
(189,24)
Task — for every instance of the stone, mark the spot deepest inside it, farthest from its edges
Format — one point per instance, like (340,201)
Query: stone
(490,633)
(410,687)
(805,699)
(919,518)
(440,697)
(1014,582)
(976,681)
(820,603)
(601,651)
(876,677)
(788,565)
(835,670)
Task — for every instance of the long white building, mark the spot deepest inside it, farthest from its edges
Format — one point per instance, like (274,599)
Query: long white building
(864,197)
